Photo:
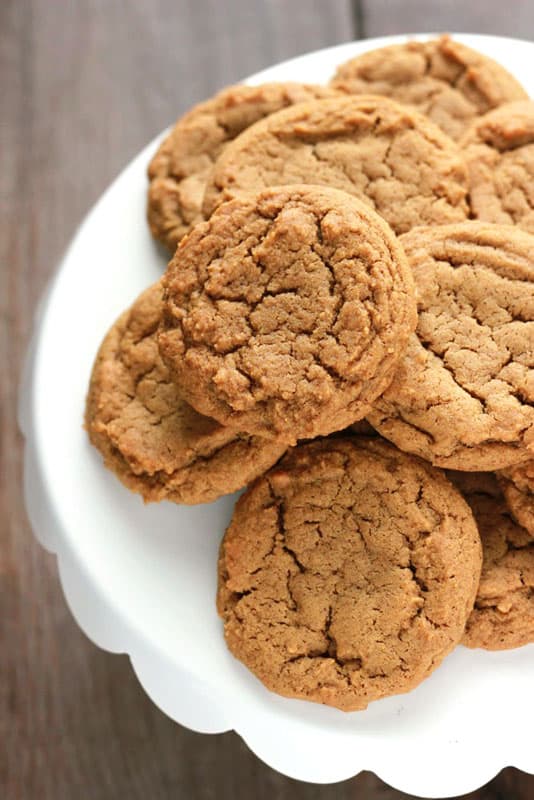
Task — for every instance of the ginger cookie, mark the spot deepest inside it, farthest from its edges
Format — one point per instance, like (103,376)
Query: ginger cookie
(154,442)
(499,152)
(347,573)
(503,616)
(287,312)
(391,157)
(463,394)
(178,171)
(517,484)
(449,82)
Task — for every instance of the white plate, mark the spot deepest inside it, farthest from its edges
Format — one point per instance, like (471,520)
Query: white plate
(141,579)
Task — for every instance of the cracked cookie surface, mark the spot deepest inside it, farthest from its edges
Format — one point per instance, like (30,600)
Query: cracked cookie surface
(178,171)
(464,392)
(517,484)
(287,312)
(154,442)
(347,573)
(441,78)
(499,153)
(503,616)
(387,155)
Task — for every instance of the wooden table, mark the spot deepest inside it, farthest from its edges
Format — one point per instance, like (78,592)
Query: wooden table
(85,84)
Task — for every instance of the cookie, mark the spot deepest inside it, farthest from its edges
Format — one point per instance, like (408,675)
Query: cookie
(391,157)
(287,312)
(499,152)
(441,78)
(347,573)
(463,394)
(503,616)
(517,484)
(154,442)
(178,171)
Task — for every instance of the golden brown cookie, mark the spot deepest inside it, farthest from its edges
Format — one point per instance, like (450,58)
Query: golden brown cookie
(178,171)
(287,312)
(503,616)
(442,78)
(391,157)
(347,573)
(154,442)
(463,395)
(499,152)
(517,484)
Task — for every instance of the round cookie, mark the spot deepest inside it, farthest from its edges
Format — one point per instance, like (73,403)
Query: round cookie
(503,616)
(178,171)
(347,573)
(517,484)
(499,153)
(154,442)
(449,82)
(391,157)
(287,312)
(463,394)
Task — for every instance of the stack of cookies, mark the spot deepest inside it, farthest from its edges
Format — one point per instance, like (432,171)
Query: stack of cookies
(346,326)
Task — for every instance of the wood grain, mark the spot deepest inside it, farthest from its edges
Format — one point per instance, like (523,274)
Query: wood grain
(384,17)
(84,86)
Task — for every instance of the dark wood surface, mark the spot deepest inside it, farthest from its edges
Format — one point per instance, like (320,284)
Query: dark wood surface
(84,84)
